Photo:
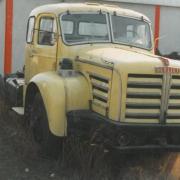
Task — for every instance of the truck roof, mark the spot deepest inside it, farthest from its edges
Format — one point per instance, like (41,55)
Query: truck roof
(80,7)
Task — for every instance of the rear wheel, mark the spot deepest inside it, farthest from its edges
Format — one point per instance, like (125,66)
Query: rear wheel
(47,143)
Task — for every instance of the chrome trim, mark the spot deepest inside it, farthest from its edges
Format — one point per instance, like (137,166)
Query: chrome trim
(98,76)
(93,63)
(99,103)
(168,87)
(101,96)
(100,85)
(163,96)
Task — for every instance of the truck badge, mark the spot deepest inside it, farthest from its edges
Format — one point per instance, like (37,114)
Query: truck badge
(166,69)
(165,61)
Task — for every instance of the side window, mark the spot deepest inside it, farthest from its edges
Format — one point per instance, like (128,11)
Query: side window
(30,30)
(46,31)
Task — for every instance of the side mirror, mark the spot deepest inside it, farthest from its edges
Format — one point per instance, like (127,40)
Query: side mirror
(156,50)
(158,38)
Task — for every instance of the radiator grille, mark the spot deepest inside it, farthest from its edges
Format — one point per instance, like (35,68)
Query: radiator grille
(100,90)
(143,100)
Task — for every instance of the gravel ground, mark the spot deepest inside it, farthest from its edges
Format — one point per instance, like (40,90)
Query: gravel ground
(18,161)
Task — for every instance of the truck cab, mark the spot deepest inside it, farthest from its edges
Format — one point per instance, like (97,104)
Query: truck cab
(93,65)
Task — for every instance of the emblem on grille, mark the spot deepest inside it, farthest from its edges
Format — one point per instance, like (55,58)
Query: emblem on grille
(166,69)
(165,61)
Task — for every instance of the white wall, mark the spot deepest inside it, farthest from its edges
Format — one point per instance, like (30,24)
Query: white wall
(175,3)
(169,30)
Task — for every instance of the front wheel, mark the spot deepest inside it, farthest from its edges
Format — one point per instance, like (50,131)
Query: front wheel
(47,143)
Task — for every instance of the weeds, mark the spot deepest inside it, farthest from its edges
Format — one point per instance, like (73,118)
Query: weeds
(81,160)
(86,161)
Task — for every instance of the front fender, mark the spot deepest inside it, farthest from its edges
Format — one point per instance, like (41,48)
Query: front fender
(60,95)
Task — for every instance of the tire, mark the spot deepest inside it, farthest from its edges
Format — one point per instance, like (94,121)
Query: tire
(5,107)
(47,143)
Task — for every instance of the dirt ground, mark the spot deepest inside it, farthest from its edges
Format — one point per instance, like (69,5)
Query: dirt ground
(19,162)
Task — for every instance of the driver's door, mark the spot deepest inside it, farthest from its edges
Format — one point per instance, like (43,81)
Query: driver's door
(43,52)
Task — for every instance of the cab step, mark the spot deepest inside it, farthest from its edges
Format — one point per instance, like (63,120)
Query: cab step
(18,110)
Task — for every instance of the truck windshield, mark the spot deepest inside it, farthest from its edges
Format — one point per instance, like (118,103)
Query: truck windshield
(85,28)
(131,32)
(93,28)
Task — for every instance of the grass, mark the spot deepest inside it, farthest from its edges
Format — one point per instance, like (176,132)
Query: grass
(81,161)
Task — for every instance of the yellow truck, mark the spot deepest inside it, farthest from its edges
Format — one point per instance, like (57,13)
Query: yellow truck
(90,70)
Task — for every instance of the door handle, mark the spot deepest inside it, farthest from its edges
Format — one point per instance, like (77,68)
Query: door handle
(32,52)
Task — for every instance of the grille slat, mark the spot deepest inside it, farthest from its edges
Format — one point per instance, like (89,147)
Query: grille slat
(142,106)
(175,116)
(142,116)
(173,112)
(175,87)
(144,96)
(142,100)
(145,75)
(175,83)
(145,85)
(174,96)
(148,91)
(144,80)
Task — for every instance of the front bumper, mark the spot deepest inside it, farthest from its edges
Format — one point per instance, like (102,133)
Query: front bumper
(134,149)
(127,137)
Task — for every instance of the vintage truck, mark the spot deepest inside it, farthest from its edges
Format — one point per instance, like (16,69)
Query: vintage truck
(90,70)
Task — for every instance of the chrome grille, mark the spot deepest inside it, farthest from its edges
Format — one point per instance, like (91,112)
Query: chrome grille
(143,100)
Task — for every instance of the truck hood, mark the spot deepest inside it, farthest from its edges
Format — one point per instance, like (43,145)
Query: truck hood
(124,60)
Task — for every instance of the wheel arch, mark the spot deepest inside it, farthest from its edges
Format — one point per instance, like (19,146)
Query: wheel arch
(60,96)
(55,107)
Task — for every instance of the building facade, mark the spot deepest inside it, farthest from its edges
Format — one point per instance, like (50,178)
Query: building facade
(164,15)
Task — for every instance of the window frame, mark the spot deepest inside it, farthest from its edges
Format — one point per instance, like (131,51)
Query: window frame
(138,19)
(32,37)
(85,42)
(39,30)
